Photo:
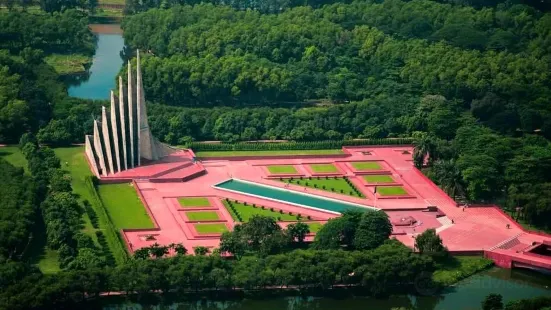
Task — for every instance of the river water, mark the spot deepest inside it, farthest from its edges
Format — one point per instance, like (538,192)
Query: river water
(106,64)
(467,294)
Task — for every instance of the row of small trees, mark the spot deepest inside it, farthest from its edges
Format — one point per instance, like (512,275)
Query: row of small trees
(276,146)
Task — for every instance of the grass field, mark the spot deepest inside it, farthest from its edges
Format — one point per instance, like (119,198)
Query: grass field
(13,155)
(366,165)
(321,168)
(190,202)
(202,216)
(68,64)
(322,183)
(124,207)
(391,191)
(266,153)
(247,211)
(378,178)
(217,228)
(458,268)
(281,169)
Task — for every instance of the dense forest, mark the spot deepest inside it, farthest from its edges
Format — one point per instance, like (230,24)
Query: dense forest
(468,80)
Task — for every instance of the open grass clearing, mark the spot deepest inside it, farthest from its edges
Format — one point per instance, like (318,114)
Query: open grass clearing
(216,228)
(366,165)
(281,169)
(243,213)
(391,191)
(68,64)
(13,155)
(267,153)
(378,178)
(191,202)
(124,207)
(202,215)
(324,168)
(337,185)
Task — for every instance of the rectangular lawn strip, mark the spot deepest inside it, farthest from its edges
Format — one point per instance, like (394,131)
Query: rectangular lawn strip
(210,228)
(321,168)
(267,153)
(202,216)
(378,178)
(282,169)
(124,207)
(322,183)
(391,191)
(247,211)
(187,202)
(314,227)
(366,165)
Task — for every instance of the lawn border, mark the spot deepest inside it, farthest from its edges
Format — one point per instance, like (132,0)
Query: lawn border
(308,168)
(291,203)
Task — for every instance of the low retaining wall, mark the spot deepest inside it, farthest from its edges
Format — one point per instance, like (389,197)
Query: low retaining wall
(241,158)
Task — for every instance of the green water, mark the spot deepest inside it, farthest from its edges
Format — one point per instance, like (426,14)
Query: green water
(468,294)
(291,197)
(106,64)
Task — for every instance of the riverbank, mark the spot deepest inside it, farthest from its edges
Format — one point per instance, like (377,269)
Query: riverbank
(69,64)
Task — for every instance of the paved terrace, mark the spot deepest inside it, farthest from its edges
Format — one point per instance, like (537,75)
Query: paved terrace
(474,229)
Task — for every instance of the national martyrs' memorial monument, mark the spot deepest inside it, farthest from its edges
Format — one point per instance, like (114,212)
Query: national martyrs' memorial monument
(193,202)
(123,138)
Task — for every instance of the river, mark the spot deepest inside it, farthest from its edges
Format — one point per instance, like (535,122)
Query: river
(105,66)
(467,294)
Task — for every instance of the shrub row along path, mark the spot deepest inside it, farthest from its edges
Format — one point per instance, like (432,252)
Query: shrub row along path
(473,229)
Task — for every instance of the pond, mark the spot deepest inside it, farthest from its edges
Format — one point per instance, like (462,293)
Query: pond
(100,78)
(468,294)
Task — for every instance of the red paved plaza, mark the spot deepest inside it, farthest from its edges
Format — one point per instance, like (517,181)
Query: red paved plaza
(474,229)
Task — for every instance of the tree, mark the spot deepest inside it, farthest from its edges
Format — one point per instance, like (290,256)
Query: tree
(297,232)
(424,149)
(373,230)
(157,250)
(492,302)
(428,242)
(180,249)
(338,232)
(448,176)
(201,250)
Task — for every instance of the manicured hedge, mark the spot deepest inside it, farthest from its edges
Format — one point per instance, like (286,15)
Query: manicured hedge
(313,145)
(114,239)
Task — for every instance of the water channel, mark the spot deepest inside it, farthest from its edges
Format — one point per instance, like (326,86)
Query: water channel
(100,78)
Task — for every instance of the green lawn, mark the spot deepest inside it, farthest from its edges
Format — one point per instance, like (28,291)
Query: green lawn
(122,2)
(282,169)
(391,191)
(189,202)
(378,178)
(321,168)
(124,207)
(322,183)
(247,211)
(266,153)
(217,228)
(68,64)
(458,268)
(49,262)
(366,165)
(314,227)
(202,216)
(13,155)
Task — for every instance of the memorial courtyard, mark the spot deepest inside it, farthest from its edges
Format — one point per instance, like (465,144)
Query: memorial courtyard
(194,200)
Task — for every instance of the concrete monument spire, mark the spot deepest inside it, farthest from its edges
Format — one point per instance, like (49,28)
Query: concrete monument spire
(123,137)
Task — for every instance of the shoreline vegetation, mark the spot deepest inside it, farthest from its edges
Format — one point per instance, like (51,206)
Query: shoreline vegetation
(69,64)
